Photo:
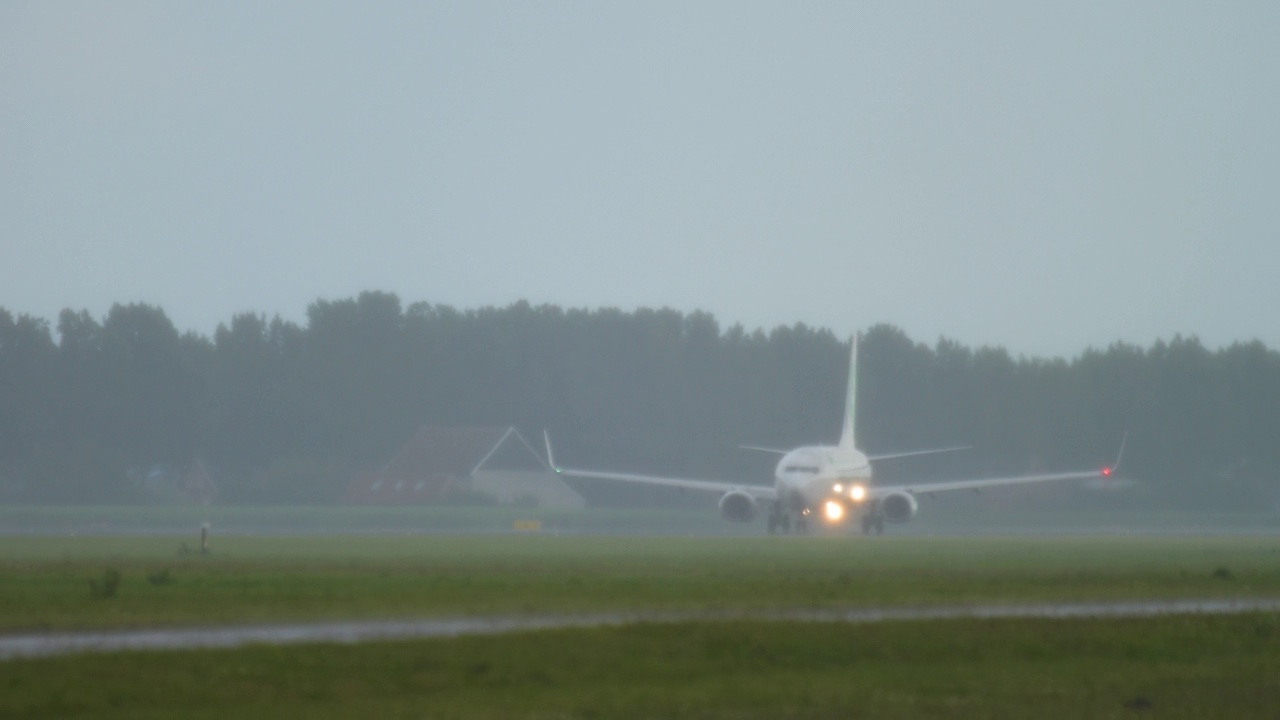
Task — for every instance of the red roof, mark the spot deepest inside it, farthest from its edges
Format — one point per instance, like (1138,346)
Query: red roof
(428,465)
(434,450)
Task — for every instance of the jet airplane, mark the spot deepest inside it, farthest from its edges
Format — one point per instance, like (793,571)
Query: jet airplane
(829,482)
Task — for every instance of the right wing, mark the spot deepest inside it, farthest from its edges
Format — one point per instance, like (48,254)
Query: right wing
(759,492)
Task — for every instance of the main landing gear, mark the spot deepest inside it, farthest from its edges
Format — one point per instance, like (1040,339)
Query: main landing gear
(780,521)
(872,522)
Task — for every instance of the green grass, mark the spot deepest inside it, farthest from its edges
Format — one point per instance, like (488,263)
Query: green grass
(1193,666)
(350,519)
(45,581)
(1021,511)
(1173,667)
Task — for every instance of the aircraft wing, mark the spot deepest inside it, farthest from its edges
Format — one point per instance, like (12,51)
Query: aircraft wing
(1105,473)
(880,491)
(759,492)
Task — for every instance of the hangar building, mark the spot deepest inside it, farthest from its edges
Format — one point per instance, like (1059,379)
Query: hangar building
(442,463)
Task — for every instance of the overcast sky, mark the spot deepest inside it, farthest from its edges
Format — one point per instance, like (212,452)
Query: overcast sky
(1042,176)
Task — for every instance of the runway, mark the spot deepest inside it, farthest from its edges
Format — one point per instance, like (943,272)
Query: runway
(38,645)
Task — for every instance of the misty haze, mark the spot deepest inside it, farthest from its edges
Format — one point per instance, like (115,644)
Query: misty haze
(128,410)
(715,360)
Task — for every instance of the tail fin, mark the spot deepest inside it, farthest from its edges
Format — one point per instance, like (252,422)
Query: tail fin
(847,438)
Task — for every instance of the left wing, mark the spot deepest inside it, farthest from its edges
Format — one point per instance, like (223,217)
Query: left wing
(1106,473)
(880,491)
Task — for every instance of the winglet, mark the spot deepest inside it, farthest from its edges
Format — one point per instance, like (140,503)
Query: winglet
(847,439)
(1120,455)
(551,459)
(1110,470)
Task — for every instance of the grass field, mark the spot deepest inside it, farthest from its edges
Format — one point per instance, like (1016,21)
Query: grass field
(355,519)
(1172,667)
(950,515)
(46,581)
(1165,667)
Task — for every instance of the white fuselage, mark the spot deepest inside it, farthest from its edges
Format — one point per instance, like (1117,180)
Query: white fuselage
(807,476)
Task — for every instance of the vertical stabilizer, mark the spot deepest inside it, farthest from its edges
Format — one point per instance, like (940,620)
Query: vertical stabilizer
(847,439)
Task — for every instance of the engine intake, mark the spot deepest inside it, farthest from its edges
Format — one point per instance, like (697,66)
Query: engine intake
(738,506)
(899,507)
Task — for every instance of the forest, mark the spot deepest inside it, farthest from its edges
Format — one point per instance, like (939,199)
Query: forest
(282,412)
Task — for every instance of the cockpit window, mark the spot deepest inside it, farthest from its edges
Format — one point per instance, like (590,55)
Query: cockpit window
(802,469)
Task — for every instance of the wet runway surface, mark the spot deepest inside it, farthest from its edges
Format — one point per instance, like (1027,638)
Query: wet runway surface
(53,644)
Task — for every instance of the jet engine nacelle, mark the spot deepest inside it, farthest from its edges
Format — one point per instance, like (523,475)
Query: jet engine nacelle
(898,507)
(737,506)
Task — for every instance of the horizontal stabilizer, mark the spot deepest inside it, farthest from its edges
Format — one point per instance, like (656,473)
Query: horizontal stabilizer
(894,456)
(775,451)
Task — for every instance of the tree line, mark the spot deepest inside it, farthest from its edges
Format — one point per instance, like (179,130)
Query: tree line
(286,412)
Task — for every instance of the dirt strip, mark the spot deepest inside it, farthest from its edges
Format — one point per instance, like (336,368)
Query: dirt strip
(13,647)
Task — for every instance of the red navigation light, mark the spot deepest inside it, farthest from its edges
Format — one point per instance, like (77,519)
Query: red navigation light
(1106,472)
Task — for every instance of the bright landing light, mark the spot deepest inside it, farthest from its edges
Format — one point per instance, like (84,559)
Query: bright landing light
(857,493)
(834,511)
